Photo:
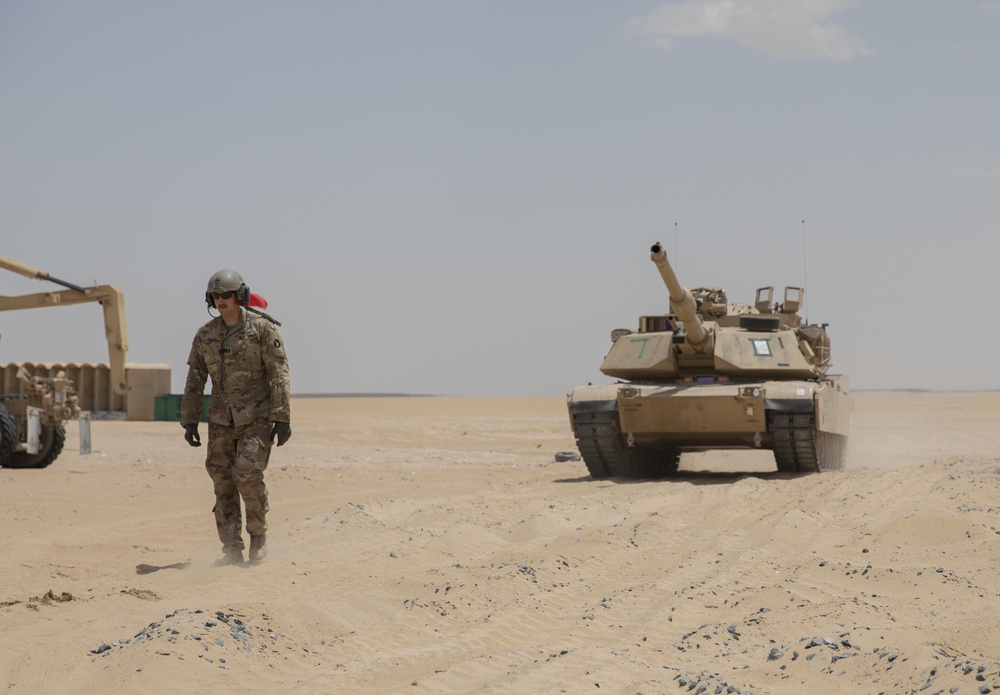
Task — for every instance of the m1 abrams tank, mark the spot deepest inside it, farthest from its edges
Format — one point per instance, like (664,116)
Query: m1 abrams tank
(714,375)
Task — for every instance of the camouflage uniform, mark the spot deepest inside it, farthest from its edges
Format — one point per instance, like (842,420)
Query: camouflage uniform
(250,390)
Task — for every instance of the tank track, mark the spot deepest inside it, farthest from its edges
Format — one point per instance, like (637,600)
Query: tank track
(799,449)
(602,446)
(794,442)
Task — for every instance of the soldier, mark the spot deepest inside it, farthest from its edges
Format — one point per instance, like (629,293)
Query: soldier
(245,358)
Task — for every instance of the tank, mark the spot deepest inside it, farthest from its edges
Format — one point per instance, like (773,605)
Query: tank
(714,375)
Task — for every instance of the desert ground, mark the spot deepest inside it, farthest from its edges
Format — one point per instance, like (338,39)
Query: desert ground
(435,545)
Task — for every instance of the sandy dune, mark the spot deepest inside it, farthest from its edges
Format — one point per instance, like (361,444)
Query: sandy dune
(433,545)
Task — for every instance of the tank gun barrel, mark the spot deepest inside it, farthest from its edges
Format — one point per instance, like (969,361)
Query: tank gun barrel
(681,300)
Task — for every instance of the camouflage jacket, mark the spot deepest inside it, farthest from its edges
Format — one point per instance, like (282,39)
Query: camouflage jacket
(249,372)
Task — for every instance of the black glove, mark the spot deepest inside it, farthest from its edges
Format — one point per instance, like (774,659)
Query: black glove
(191,434)
(281,430)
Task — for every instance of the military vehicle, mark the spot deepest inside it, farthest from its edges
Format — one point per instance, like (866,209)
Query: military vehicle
(32,421)
(714,375)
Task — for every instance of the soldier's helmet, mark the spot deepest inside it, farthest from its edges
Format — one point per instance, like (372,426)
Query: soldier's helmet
(227,281)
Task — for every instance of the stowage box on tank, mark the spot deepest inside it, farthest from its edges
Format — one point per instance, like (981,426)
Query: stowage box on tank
(714,375)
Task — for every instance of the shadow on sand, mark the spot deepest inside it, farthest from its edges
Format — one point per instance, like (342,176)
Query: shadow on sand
(149,569)
(694,477)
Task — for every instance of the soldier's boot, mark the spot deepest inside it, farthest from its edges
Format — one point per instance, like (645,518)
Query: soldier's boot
(258,547)
(233,556)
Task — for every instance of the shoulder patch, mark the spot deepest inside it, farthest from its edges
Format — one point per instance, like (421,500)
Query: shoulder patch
(277,343)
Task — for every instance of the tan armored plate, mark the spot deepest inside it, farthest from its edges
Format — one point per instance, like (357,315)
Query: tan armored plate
(714,375)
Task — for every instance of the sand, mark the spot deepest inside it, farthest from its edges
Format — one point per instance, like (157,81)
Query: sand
(434,545)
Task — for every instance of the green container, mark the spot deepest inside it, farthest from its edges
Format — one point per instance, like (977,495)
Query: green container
(168,407)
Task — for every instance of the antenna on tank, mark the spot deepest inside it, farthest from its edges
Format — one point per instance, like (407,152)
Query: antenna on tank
(675,245)
(805,270)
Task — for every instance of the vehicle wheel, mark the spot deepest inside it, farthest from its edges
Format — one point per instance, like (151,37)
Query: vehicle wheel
(50,445)
(8,435)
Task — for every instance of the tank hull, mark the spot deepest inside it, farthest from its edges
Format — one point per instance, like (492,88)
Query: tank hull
(640,429)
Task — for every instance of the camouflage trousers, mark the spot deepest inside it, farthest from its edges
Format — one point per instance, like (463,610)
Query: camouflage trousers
(237,457)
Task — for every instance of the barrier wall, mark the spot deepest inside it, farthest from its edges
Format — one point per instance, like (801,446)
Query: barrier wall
(93,385)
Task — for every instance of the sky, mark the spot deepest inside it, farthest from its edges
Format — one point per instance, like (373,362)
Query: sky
(458,197)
